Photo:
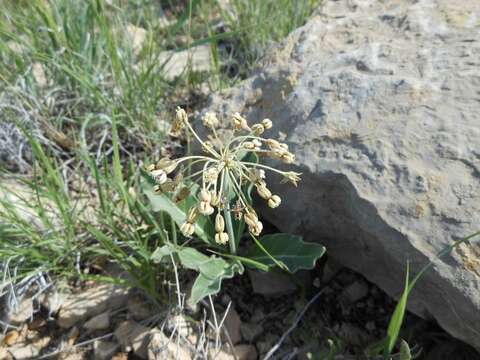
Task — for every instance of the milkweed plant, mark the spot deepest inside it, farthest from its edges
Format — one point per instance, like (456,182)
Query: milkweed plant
(208,196)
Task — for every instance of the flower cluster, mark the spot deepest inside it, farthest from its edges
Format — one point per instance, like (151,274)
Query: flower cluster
(223,169)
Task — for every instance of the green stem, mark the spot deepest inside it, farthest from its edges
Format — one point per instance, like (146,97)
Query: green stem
(228,218)
(231,236)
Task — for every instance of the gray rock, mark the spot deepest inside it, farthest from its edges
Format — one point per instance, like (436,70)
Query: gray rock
(21,313)
(133,336)
(161,347)
(355,291)
(90,302)
(380,102)
(103,350)
(271,284)
(98,322)
(251,331)
(240,352)
(174,63)
(232,325)
(24,351)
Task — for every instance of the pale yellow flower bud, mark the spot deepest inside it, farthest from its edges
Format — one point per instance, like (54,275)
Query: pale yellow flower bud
(240,122)
(256,228)
(287,157)
(256,176)
(210,120)
(205,195)
(150,167)
(166,165)
(187,229)
(257,143)
(221,238)
(159,176)
(181,115)
(179,122)
(219,223)
(272,144)
(291,177)
(205,208)
(249,145)
(267,124)
(274,201)
(215,198)
(258,129)
(251,218)
(192,214)
(264,192)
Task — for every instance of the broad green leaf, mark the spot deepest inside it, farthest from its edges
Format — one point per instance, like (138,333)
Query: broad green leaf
(192,259)
(160,252)
(287,249)
(206,285)
(178,212)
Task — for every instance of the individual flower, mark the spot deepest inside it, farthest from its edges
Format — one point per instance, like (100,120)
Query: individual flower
(179,122)
(188,227)
(210,120)
(267,124)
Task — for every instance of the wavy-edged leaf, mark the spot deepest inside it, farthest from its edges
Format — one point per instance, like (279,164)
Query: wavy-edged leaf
(287,249)
(209,281)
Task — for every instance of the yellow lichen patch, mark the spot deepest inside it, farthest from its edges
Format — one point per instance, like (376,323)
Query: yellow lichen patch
(470,257)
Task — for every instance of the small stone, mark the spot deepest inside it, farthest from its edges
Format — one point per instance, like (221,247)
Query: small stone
(72,336)
(21,313)
(137,36)
(271,284)
(251,331)
(242,352)
(139,308)
(52,301)
(257,316)
(120,356)
(92,301)
(355,291)
(353,334)
(98,322)
(162,348)
(39,75)
(245,352)
(135,336)
(180,325)
(11,337)
(24,351)
(232,325)
(37,323)
(198,58)
(104,350)
(4,354)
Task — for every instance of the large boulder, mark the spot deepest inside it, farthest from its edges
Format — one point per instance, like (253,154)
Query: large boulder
(380,102)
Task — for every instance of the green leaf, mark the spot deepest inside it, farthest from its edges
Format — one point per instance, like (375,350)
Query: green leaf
(209,281)
(160,252)
(405,353)
(192,259)
(287,249)
(396,321)
(178,212)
